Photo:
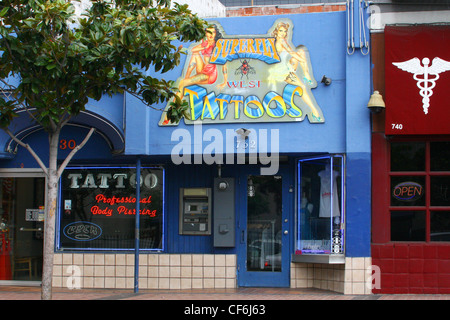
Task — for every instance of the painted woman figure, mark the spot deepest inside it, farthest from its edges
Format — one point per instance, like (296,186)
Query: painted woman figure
(290,60)
(205,72)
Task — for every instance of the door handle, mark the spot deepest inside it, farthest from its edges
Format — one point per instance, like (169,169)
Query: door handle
(242,236)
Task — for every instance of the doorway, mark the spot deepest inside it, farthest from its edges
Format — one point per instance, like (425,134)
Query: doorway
(263,259)
(21,228)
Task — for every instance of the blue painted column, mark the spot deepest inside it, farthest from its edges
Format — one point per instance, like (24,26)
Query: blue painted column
(358,150)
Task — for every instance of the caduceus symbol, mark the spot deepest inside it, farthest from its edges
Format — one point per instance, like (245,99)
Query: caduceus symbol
(426,75)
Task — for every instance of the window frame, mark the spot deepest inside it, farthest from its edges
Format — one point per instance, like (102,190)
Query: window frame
(342,185)
(427,174)
(60,247)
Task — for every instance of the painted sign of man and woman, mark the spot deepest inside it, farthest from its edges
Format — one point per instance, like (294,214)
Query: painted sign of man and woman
(231,79)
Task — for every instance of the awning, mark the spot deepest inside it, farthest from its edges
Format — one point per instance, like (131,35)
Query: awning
(23,126)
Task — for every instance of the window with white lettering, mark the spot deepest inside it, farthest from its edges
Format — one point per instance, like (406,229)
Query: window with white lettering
(98,208)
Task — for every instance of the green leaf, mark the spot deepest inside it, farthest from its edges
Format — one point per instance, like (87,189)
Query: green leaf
(4,11)
(35,88)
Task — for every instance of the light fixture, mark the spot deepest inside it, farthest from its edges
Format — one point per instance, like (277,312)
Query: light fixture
(243,133)
(376,103)
(326,80)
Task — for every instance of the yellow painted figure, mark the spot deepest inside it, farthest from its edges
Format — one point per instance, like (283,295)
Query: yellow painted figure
(287,68)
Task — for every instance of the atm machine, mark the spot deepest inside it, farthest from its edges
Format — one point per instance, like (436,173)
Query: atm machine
(195,211)
(199,206)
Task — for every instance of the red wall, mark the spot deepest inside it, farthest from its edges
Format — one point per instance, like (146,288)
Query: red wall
(412,268)
(405,267)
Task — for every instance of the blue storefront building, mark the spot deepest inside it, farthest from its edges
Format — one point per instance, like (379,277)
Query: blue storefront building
(264,183)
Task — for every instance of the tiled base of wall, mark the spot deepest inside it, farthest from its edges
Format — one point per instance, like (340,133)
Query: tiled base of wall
(348,278)
(156,271)
(413,268)
(194,271)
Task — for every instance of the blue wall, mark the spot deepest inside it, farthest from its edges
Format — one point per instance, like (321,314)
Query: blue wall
(358,208)
(188,176)
(358,148)
(324,36)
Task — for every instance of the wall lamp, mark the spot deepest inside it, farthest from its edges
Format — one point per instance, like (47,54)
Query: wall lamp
(326,80)
(376,103)
(243,133)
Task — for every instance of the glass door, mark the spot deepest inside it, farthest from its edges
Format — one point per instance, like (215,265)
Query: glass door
(264,207)
(21,228)
(264,245)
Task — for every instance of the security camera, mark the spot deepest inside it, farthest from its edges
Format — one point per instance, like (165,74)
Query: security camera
(376,103)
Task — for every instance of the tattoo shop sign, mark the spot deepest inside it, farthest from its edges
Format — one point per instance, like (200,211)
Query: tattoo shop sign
(248,78)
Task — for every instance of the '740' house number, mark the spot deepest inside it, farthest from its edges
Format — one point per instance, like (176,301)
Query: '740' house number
(397,126)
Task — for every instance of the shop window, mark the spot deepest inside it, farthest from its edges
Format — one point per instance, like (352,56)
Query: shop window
(420,191)
(440,156)
(320,219)
(408,226)
(98,208)
(408,156)
(440,226)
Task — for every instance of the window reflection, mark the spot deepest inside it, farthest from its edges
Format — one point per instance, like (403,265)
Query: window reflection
(440,226)
(407,156)
(264,210)
(408,226)
(440,156)
(440,191)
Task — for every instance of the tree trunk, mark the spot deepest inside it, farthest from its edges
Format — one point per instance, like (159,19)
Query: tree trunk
(50,217)
(53,174)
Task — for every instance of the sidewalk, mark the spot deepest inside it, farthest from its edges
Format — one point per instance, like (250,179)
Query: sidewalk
(239,294)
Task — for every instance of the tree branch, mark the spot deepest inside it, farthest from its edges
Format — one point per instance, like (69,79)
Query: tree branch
(28,111)
(9,87)
(21,104)
(27,146)
(74,151)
